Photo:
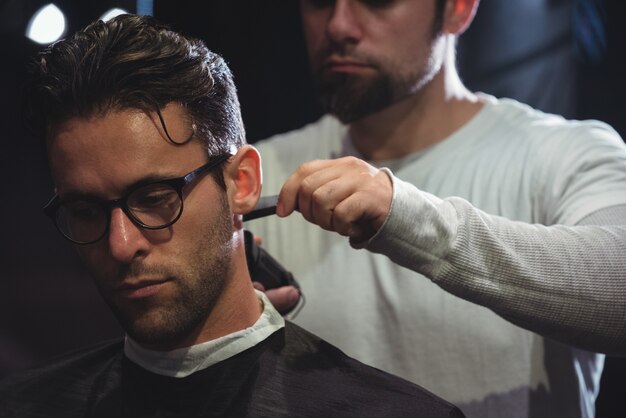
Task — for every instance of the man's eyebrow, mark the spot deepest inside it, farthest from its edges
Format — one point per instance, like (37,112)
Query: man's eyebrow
(149,179)
(74,195)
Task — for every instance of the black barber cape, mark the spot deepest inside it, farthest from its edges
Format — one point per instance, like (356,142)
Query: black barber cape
(290,374)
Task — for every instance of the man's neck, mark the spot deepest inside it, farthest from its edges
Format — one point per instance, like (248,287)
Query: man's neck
(418,121)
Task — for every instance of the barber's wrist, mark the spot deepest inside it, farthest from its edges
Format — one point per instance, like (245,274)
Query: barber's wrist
(368,242)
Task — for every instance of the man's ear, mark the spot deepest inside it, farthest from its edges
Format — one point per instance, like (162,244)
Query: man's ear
(243,180)
(458,15)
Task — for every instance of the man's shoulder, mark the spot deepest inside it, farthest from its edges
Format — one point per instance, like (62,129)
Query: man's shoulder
(71,374)
(539,126)
(338,382)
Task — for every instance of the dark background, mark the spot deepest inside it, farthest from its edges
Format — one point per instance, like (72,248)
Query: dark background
(537,51)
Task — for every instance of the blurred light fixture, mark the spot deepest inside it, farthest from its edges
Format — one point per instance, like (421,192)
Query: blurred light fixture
(47,25)
(112,13)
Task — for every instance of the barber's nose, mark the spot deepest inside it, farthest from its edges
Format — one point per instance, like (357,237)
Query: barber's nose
(344,25)
(126,240)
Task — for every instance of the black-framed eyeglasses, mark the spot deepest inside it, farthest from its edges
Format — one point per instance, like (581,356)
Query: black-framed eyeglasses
(155,205)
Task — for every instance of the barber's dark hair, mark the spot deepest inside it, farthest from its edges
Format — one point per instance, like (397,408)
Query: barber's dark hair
(134,62)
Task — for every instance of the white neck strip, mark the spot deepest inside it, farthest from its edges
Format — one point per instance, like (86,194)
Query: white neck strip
(183,362)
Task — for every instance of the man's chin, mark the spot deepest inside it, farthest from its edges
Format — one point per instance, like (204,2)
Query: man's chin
(349,109)
(330,82)
(152,330)
(353,97)
(144,322)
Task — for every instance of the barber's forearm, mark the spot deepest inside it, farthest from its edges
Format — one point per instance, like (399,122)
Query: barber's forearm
(566,283)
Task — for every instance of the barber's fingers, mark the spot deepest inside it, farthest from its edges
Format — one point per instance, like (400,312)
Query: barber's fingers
(309,185)
(354,217)
(339,203)
(283,298)
(346,195)
(297,183)
(317,202)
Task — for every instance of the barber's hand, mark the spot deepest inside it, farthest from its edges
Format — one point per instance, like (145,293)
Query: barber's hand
(346,195)
(283,298)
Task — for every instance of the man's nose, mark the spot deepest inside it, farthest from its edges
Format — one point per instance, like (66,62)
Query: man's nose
(126,240)
(344,25)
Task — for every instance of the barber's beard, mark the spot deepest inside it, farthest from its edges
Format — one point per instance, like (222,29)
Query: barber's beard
(351,97)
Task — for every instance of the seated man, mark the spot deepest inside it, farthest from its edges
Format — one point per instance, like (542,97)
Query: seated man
(152,174)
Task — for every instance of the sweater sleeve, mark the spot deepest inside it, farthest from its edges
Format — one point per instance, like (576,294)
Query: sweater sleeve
(567,283)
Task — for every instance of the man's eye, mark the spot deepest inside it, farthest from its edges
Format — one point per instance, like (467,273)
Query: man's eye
(83,212)
(155,198)
(378,3)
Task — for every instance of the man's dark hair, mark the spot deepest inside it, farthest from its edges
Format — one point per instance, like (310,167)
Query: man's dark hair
(132,62)
(439,10)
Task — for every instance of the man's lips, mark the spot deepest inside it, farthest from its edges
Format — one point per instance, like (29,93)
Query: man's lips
(345,66)
(140,288)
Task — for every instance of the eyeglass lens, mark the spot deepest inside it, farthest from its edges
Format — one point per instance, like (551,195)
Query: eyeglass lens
(154,206)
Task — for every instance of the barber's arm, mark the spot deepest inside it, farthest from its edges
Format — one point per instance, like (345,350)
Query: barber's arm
(564,282)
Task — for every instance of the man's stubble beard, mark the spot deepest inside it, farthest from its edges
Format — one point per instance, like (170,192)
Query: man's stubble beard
(198,283)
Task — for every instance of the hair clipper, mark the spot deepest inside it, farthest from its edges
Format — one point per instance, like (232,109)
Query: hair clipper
(264,268)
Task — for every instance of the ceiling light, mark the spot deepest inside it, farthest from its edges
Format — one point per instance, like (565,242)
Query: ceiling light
(47,25)
(112,13)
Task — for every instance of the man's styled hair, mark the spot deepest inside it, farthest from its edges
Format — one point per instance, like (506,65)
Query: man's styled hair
(132,62)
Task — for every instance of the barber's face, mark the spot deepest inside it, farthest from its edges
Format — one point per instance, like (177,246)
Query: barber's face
(161,284)
(368,54)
